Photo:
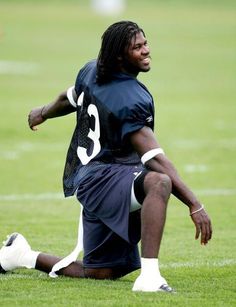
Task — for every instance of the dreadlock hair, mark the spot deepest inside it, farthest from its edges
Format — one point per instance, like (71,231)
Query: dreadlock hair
(115,41)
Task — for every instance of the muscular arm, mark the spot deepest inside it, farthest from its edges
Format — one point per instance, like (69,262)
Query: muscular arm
(60,107)
(143,141)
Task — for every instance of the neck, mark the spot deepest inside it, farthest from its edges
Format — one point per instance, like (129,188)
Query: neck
(134,75)
(128,70)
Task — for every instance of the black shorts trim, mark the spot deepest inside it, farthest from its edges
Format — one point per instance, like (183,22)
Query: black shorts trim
(139,186)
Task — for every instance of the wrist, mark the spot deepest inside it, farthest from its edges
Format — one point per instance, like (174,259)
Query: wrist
(197,210)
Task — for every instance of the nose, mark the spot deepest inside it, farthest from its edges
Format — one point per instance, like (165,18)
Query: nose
(145,50)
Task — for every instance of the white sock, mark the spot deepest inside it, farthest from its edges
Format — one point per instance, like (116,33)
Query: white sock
(150,267)
(30,259)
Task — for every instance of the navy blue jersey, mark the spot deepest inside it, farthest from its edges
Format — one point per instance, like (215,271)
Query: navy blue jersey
(106,115)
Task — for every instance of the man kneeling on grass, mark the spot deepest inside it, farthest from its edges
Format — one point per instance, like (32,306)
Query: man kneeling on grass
(116,168)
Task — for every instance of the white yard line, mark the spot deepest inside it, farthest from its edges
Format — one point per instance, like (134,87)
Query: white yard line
(42,196)
(196,168)
(206,264)
(174,265)
(58,195)
(216,192)
(15,151)
(186,144)
(18,68)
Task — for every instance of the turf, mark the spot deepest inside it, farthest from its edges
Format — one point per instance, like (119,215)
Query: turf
(42,46)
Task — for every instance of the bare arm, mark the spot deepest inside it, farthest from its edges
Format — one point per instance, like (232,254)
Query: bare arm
(143,141)
(60,107)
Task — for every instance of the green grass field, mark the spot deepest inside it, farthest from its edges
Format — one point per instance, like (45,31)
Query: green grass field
(42,46)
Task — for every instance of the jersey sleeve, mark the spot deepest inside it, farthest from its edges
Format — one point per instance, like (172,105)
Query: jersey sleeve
(138,111)
(136,118)
(71,96)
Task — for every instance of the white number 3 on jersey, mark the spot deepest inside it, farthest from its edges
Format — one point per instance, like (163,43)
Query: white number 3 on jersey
(94,135)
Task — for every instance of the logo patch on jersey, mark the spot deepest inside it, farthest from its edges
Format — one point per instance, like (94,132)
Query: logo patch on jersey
(149,119)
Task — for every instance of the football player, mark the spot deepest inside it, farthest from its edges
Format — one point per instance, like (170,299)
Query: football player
(116,168)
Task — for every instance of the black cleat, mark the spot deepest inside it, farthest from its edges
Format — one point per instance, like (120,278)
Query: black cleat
(166,288)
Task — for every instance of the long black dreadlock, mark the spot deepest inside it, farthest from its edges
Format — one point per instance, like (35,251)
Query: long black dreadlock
(115,41)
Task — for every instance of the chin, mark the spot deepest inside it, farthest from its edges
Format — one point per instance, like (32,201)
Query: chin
(146,69)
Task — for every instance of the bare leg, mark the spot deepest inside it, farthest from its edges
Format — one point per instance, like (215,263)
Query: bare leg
(45,263)
(157,188)
(153,213)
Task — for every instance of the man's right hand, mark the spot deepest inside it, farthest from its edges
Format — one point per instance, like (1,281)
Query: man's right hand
(35,118)
(203,226)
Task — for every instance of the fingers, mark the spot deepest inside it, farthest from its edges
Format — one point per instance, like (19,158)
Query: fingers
(208,233)
(34,128)
(33,120)
(206,230)
(30,122)
(203,227)
(204,234)
(198,230)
